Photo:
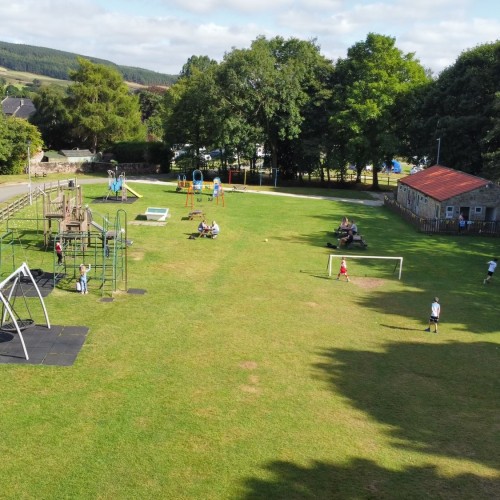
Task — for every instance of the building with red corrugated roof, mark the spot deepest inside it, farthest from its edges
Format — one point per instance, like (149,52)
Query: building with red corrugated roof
(443,193)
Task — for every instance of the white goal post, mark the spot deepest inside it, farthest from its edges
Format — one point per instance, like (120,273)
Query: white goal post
(337,256)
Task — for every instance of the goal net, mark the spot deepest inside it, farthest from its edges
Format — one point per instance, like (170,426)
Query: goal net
(331,257)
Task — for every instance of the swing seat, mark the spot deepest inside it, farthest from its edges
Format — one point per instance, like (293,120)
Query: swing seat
(23,324)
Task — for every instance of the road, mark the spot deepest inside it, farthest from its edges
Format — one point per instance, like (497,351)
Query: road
(8,191)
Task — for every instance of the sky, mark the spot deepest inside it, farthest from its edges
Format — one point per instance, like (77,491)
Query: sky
(161,35)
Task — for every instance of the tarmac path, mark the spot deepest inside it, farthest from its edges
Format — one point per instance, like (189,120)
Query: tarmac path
(9,190)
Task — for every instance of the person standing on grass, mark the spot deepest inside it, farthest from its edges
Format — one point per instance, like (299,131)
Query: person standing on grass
(492,265)
(435,312)
(59,253)
(343,269)
(83,278)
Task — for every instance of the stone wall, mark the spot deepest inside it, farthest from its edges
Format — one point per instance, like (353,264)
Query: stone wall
(480,199)
(477,201)
(39,168)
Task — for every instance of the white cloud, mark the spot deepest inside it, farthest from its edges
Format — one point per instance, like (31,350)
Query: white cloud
(162,34)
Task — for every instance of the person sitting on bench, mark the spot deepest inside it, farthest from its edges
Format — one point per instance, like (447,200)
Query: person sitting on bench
(347,240)
(203,228)
(214,229)
(353,227)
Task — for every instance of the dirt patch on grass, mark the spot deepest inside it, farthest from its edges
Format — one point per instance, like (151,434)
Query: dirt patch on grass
(369,283)
(136,255)
(248,365)
(250,388)
(311,304)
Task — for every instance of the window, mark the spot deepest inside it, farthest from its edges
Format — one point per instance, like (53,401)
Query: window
(478,210)
(449,212)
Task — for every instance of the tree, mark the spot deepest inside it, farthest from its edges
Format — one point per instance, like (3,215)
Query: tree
(368,84)
(491,144)
(151,104)
(264,90)
(459,109)
(52,117)
(102,109)
(190,111)
(14,136)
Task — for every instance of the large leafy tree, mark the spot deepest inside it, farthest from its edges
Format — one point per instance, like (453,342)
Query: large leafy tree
(459,109)
(103,110)
(191,108)
(52,117)
(15,135)
(491,144)
(264,90)
(151,104)
(368,83)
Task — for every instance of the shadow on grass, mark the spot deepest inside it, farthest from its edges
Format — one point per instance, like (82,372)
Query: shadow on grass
(442,399)
(456,307)
(364,479)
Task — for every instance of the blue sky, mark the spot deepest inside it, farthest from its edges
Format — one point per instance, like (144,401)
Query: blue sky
(162,34)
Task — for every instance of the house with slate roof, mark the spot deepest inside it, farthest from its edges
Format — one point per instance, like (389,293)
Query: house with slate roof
(443,193)
(19,107)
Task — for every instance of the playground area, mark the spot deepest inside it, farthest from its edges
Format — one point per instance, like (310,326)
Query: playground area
(239,368)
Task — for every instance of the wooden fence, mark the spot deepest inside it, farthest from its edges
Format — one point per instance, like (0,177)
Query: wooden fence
(12,208)
(442,226)
(367,178)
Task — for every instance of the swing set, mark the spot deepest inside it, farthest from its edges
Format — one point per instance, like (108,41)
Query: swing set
(10,320)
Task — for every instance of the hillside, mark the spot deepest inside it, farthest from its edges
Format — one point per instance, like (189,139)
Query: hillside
(57,64)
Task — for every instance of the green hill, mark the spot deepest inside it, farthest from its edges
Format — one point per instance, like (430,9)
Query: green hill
(57,64)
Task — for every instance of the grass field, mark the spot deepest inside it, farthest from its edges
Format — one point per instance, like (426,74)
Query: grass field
(22,78)
(245,372)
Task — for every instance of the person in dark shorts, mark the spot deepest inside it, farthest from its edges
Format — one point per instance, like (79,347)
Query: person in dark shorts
(492,265)
(435,313)
(347,240)
(59,253)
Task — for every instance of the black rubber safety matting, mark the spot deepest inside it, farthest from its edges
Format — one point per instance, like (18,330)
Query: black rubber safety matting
(136,291)
(113,199)
(43,280)
(57,346)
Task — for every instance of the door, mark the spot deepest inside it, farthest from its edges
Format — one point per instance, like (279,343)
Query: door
(465,212)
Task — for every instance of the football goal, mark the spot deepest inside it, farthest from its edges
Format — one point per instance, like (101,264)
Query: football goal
(349,257)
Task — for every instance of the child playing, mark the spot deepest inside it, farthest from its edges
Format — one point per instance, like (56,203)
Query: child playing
(83,278)
(59,253)
(343,269)
(435,312)
(492,265)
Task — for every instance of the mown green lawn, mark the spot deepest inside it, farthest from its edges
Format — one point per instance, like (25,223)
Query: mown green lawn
(245,372)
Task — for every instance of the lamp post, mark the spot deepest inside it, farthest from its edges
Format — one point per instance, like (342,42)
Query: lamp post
(439,149)
(28,142)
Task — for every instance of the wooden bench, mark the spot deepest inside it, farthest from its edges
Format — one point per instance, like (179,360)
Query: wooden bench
(357,240)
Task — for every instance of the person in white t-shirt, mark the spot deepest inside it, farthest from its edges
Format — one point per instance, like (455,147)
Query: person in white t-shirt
(435,313)
(492,264)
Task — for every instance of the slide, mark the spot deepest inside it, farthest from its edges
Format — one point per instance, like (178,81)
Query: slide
(97,226)
(133,191)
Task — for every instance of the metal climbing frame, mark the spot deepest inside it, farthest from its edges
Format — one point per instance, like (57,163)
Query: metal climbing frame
(104,246)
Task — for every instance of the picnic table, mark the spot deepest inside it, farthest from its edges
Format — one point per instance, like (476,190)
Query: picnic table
(196,214)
